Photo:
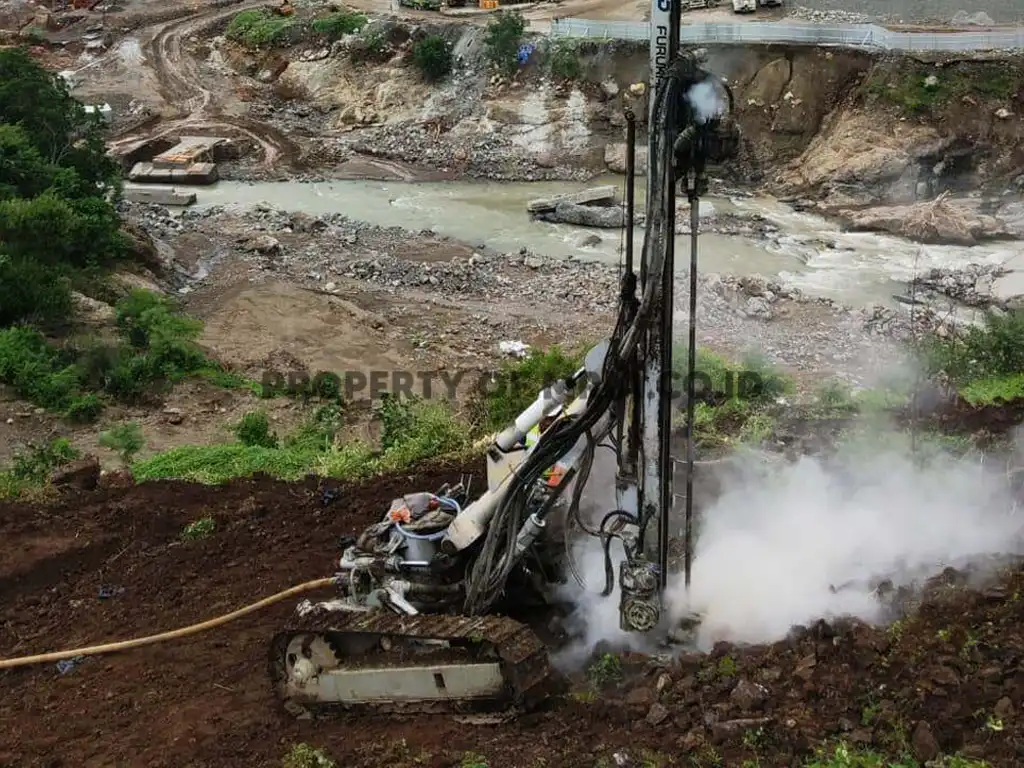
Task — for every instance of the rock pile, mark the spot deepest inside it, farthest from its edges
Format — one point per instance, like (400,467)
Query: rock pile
(972,285)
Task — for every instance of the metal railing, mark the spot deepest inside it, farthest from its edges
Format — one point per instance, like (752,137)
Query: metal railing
(837,35)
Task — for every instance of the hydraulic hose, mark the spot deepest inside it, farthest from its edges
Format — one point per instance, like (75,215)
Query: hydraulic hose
(124,645)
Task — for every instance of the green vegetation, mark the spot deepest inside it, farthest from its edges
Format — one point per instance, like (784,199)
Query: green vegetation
(433,57)
(842,756)
(305,756)
(336,25)
(923,89)
(200,529)
(473,760)
(58,225)
(738,402)
(518,383)
(563,59)
(504,36)
(157,347)
(31,469)
(126,439)
(985,364)
(259,28)
(413,430)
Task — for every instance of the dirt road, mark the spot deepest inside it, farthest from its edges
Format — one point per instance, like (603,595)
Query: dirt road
(188,88)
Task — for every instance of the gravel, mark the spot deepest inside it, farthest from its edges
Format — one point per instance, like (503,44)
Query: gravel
(921,11)
(816,339)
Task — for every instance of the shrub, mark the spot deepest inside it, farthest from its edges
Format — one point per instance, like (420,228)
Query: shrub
(564,60)
(504,35)
(985,363)
(31,292)
(126,439)
(254,430)
(433,57)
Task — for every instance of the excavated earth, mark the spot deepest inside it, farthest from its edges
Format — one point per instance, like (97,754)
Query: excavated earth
(110,564)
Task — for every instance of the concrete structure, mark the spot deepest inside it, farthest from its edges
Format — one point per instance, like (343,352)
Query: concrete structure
(190,161)
(159,196)
(592,196)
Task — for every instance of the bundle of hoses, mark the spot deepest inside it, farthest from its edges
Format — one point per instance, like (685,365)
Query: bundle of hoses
(176,634)
(494,563)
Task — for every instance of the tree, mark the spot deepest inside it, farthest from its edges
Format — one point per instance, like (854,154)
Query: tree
(433,57)
(64,134)
(504,35)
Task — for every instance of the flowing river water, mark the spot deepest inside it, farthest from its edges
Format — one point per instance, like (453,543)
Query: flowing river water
(808,252)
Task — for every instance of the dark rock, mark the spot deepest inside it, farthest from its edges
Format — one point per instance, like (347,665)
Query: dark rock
(80,475)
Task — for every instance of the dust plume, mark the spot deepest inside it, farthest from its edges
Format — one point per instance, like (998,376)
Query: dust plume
(706,101)
(771,548)
(594,620)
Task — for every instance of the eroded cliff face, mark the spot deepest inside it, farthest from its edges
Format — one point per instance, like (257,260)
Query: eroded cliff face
(842,127)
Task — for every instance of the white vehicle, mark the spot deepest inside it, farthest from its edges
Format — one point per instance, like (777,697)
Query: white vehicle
(744,6)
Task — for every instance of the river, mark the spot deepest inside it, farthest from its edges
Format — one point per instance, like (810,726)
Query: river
(809,252)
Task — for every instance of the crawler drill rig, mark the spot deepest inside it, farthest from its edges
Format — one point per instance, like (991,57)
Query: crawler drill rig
(416,627)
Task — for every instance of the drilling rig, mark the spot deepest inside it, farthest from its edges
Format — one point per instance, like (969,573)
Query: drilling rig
(421,623)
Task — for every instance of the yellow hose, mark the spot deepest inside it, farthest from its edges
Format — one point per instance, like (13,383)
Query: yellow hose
(125,645)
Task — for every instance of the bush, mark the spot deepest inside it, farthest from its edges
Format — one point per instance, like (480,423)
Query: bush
(33,468)
(125,439)
(32,293)
(986,362)
(254,430)
(432,57)
(504,36)
(564,59)
(336,25)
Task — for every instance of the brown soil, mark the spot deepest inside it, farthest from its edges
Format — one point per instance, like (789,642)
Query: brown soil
(206,700)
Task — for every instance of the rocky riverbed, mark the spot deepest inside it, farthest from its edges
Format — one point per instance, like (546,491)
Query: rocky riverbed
(573,300)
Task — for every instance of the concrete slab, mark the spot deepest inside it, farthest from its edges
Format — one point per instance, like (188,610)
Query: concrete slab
(586,197)
(163,196)
(197,173)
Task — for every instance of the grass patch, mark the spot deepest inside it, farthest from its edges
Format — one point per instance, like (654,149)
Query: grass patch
(922,89)
(518,383)
(844,756)
(259,28)
(336,25)
(737,400)
(413,430)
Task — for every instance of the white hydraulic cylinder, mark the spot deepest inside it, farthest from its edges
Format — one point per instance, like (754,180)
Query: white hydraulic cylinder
(548,400)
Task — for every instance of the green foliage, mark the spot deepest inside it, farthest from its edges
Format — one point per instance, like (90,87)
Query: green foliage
(32,469)
(473,760)
(414,430)
(504,36)
(563,59)
(433,57)
(259,28)
(843,756)
(126,439)
(986,362)
(924,89)
(305,756)
(254,430)
(338,24)
(157,348)
(57,184)
(199,529)
(518,383)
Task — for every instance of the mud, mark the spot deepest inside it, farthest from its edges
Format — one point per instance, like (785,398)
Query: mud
(111,564)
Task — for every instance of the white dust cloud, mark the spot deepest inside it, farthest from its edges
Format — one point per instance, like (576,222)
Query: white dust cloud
(778,540)
(771,550)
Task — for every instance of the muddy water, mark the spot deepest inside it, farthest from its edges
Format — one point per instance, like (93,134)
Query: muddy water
(809,252)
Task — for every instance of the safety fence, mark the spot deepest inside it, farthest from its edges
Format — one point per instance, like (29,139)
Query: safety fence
(764,33)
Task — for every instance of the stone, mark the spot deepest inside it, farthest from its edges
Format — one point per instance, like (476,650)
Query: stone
(924,743)
(657,714)
(748,696)
(80,475)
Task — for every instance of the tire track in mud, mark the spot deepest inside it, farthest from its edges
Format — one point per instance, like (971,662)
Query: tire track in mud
(181,84)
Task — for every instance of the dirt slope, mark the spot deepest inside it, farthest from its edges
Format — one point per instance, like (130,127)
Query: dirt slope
(109,565)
